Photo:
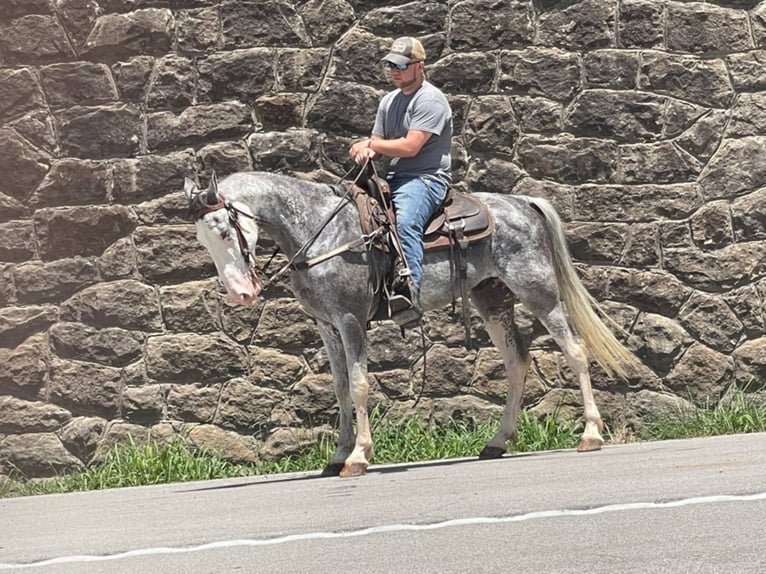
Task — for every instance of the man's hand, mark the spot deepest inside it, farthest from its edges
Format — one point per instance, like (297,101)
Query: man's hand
(361,151)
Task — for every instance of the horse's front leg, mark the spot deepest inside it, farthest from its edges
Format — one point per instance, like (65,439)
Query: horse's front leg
(354,338)
(337,358)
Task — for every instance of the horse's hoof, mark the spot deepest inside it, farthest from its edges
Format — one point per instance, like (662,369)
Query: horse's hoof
(353,469)
(491,452)
(332,469)
(589,444)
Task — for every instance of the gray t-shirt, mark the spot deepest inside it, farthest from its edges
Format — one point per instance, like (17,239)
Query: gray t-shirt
(426,110)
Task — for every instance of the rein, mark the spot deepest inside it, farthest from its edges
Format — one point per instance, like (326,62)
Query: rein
(199,209)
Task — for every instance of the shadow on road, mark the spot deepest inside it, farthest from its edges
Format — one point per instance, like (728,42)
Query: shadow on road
(382,469)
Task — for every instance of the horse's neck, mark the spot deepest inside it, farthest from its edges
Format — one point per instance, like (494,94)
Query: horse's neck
(289,210)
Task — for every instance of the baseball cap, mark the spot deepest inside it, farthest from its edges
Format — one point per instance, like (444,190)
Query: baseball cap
(405,50)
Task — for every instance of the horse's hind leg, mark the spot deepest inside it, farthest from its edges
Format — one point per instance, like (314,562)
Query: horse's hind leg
(557,325)
(337,358)
(494,302)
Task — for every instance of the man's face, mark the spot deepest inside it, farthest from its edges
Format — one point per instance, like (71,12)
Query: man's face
(403,79)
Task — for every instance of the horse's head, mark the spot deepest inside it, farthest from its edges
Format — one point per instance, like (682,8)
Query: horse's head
(229,232)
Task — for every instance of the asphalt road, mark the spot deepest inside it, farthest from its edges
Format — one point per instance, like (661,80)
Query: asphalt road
(668,507)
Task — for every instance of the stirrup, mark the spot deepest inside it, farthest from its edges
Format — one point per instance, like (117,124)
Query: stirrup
(407,318)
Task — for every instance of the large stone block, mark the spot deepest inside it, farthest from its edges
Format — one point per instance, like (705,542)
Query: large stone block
(172,83)
(224,158)
(191,358)
(18,416)
(192,307)
(636,202)
(584,25)
(620,115)
(77,84)
(748,215)
(659,341)
(37,455)
(143,405)
(83,231)
(539,71)
(709,320)
(566,159)
(17,241)
(640,24)
(127,304)
(611,69)
(246,407)
(196,125)
(466,73)
(100,132)
(597,242)
(355,117)
(747,305)
(301,70)
(81,436)
(72,182)
(748,70)
(24,369)
(262,23)
(271,368)
(313,401)
(151,176)
(491,125)
(239,75)
(86,389)
(284,325)
(226,444)
(701,374)
(490,25)
(750,362)
(656,163)
(19,93)
(148,31)
(53,281)
(111,346)
(702,28)
(294,150)
(132,78)
(19,323)
(24,164)
(35,38)
(725,268)
(327,20)
(171,254)
(735,169)
(704,82)
(198,30)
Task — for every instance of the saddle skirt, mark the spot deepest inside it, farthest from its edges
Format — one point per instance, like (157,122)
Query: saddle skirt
(462,218)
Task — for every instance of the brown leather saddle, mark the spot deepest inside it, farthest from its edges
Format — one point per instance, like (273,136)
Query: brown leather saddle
(461,220)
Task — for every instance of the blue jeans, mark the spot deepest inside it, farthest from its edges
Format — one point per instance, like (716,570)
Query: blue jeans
(415,201)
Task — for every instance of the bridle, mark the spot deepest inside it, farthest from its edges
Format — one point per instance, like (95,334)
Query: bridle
(209,201)
(213,201)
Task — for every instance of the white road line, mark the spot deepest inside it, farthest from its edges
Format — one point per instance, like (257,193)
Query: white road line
(389,528)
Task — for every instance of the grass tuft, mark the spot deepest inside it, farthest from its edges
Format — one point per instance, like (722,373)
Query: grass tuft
(739,413)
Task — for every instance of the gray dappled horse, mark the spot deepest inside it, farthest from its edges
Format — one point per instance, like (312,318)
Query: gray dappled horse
(526,258)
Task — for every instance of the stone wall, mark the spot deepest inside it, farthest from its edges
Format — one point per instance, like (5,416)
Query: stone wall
(643,121)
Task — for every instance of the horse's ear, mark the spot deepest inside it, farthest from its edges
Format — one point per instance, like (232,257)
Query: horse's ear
(190,189)
(212,190)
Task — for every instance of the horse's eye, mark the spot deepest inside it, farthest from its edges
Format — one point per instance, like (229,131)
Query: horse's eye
(225,235)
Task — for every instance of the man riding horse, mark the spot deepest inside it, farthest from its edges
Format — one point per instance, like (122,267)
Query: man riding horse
(413,133)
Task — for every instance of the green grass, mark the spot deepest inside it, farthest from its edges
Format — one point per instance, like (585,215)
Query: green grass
(741,413)
(396,441)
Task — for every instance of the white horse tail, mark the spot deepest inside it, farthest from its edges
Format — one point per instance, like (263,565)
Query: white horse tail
(607,351)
